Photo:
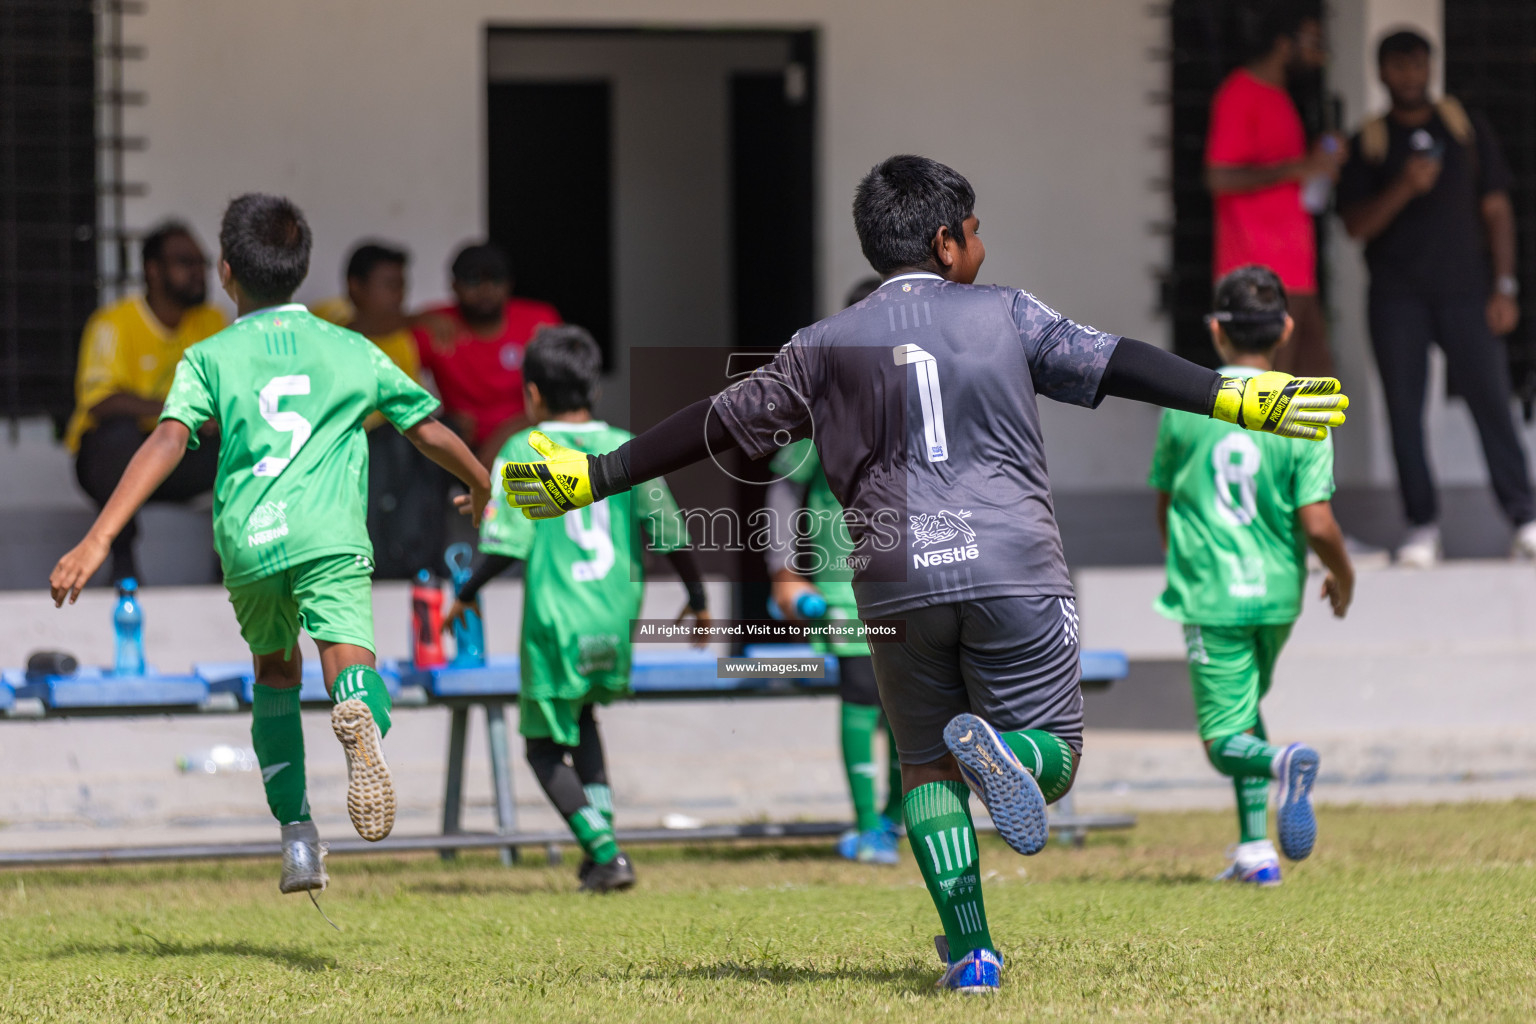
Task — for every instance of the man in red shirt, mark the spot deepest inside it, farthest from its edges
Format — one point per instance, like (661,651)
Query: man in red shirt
(474,349)
(1256,161)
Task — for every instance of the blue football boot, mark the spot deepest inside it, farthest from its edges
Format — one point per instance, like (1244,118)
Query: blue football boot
(977,972)
(1254,862)
(1009,793)
(1297,824)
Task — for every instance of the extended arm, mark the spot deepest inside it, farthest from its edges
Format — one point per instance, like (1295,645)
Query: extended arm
(1327,541)
(445,448)
(1225,180)
(156,458)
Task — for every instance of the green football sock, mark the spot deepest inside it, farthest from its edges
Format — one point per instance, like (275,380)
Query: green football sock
(592,832)
(277,733)
(1242,754)
(1252,807)
(893,794)
(601,797)
(939,828)
(364,683)
(1045,756)
(859,724)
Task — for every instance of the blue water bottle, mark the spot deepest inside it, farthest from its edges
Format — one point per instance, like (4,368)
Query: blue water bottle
(468,632)
(809,605)
(128,620)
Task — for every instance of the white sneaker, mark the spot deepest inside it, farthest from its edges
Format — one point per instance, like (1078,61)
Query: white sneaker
(1422,548)
(1525,542)
(1256,863)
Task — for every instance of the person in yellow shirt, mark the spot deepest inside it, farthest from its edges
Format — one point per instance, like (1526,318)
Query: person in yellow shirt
(407,494)
(128,355)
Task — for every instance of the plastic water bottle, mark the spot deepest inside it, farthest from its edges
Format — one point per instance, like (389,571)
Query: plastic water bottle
(1318,189)
(427,621)
(468,632)
(128,620)
(809,605)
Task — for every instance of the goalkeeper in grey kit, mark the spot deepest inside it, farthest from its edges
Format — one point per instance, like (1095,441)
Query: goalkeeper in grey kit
(922,398)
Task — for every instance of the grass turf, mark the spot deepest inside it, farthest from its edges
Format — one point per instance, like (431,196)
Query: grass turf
(1401,915)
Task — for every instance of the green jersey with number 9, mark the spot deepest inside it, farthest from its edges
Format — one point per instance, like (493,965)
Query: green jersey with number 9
(1236,554)
(289,393)
(585,574)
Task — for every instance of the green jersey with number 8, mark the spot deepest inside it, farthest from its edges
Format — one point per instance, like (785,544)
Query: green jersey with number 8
(1236,554)
(585,574)
(289,393)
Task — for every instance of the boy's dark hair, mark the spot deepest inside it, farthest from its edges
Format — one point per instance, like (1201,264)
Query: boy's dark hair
(1266,22)
(1403,41)
(1250,307)
(265,241)
(901,204)
(369,255)
(484,261)
(565,363)
(153,246)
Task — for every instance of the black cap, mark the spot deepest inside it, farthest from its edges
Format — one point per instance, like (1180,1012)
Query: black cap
(485,262)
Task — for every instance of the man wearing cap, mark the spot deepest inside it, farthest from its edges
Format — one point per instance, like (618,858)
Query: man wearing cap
(474,348)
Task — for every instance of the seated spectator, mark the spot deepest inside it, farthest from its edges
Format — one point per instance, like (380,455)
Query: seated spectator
(128,355)
(474,349)
(406,506)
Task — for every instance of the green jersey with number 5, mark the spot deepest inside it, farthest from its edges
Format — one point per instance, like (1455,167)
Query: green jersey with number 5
(585,574)
(289,393)
(1236,554)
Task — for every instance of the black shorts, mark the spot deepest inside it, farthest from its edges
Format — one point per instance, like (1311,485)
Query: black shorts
(1012,661)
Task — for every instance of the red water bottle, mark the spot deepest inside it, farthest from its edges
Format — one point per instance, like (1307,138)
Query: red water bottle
(427,622)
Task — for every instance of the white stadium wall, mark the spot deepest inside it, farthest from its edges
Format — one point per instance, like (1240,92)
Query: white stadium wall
(371,115)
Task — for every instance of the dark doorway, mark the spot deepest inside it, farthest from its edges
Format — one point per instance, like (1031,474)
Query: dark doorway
(771,203)
(549,196)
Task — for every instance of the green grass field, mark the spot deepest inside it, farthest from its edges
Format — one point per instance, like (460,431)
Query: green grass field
(1401,915)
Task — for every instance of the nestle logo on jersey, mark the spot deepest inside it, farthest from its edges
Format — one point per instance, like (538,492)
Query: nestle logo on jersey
(948,556)
(938,528)
(268,522)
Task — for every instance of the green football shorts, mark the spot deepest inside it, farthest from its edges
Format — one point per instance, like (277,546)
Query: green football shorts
(1230,669)
(330,598)
(561,674)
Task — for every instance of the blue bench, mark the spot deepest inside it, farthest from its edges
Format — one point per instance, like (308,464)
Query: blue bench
(658,673)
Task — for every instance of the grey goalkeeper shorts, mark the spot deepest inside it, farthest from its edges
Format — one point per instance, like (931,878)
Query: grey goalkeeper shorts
(1013,661)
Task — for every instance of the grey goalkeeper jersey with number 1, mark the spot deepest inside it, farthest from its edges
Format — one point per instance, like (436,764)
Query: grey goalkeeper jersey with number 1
(921,401)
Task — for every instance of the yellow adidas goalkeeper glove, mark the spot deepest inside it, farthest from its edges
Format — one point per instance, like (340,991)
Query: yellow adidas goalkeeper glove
(1278,403)
(553,487)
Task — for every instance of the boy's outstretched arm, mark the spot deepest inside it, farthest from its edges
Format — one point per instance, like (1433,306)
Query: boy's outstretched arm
(448,450)
(156,458)
(1327,540)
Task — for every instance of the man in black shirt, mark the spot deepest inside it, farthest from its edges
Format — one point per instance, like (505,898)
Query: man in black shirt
(921,399)
(1427,189)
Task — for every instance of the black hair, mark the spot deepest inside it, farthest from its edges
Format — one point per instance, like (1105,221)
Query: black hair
(901,204)
(265,241)
(565,363)
(153,246)
(484,261)
(861,291)
(1269,21)
(1250,307)
(1403,41)
(369,255)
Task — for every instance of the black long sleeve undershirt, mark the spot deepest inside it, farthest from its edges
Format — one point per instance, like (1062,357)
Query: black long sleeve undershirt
(1136,370)
(489,568)
(687,570)
(1146,373)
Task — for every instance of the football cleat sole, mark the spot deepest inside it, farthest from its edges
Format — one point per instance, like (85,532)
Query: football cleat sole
(370,790)
(1297,824)
(1010,794)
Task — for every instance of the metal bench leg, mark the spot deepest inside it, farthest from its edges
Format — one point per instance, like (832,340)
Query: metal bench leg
(453,790)
(501,776)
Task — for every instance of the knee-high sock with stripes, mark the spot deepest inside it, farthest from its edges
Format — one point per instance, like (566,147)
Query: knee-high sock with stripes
(859,722)
(592,766)
(1250,760)
(552,767)
(364,683)
(1046,756)
(944,842)
(277,734)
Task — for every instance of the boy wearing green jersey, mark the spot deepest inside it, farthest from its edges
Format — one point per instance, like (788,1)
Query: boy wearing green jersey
(1238,511)
(811,555)
(288,394)
(583,584)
